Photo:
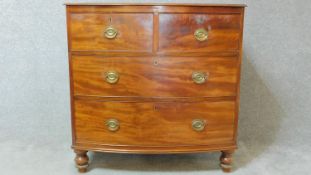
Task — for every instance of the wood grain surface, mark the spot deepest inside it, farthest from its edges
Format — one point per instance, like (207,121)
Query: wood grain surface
(153,9)
(161,77)
(135,32)
(155,100)
(153,4)
(176,32)
(154,123)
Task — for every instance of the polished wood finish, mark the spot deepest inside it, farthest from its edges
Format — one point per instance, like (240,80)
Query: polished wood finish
(177,32)
(155,100)
(153,149)
(134,32)
(154,4)
(154,123)
(149,77)
(226,160)
(82,160)
(154,9)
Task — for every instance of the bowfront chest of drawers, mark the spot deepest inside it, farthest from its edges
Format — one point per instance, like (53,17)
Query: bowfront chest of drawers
(154,78)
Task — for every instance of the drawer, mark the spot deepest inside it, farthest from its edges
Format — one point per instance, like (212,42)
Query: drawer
(111,32)
(150,77)
(154,123)
(199,32)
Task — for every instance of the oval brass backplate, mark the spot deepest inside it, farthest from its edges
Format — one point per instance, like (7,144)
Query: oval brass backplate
(113,125)
(201,34)
(199,77)
(198,124)
(110,32)
(112,77)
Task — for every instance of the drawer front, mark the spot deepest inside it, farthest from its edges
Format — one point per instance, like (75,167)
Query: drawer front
(151,77)
(111,32)
(154,123)
(199,32)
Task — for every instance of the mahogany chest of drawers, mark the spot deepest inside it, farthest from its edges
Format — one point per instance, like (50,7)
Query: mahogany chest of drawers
(154,78)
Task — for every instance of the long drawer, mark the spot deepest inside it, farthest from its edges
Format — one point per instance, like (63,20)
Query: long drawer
(154,123)
(155,77)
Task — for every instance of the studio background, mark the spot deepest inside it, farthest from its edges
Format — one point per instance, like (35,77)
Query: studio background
(274,129)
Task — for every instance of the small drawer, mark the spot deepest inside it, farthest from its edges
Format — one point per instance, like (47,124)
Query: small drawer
(199,32)
(151,77)
(111,32)
(154,123)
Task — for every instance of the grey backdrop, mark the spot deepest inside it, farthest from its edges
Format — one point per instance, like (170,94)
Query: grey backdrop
(274,130)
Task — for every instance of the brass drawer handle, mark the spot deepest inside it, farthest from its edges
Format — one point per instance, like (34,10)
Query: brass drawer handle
(113,125)
(201,34)
(112,77)
(110,32)
(199,77)
(198,124)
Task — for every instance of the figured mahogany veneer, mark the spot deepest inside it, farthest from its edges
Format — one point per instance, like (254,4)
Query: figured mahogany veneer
(149,77)
(177,85)
(155,123)
(134,32)
(223,34)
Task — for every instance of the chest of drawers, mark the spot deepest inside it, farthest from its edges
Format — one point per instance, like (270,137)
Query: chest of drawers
(154,78)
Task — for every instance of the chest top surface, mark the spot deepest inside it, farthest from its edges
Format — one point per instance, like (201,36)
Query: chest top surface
(157,4)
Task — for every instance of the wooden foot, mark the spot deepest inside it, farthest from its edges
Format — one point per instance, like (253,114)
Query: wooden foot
(226,160)
(82,160)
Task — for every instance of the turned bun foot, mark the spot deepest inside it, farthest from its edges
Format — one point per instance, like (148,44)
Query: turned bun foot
(226,160)
(82,160)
